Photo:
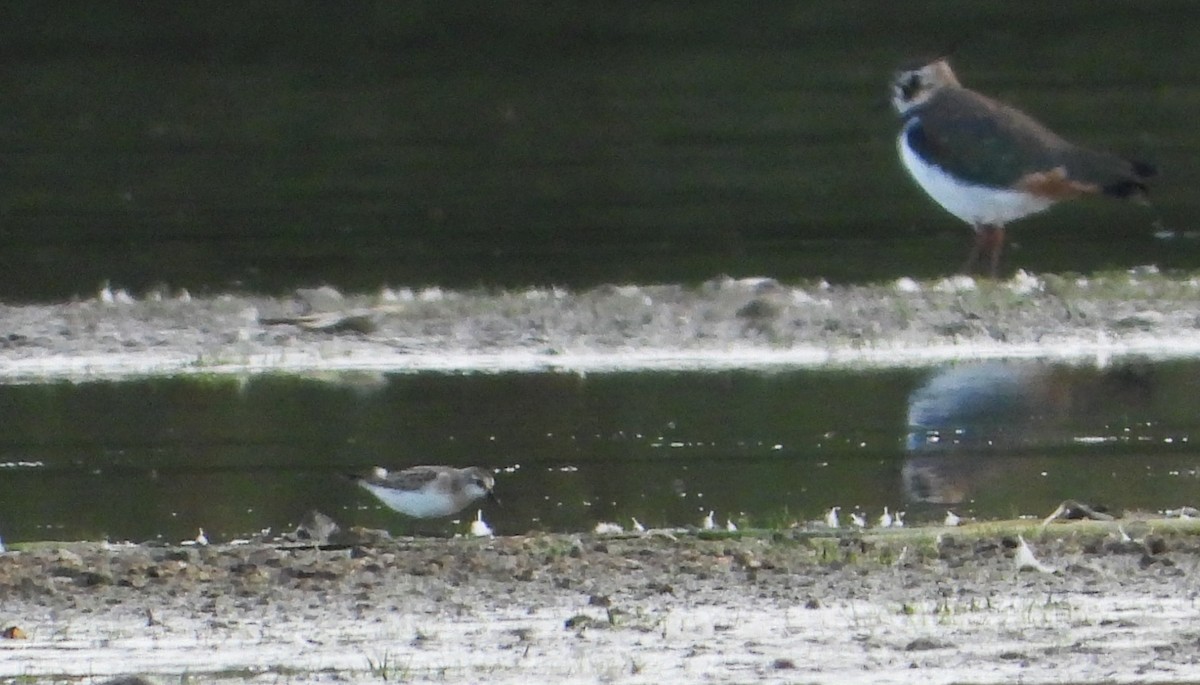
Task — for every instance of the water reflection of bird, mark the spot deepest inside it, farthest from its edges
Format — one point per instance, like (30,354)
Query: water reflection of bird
(429,491)
(979,409)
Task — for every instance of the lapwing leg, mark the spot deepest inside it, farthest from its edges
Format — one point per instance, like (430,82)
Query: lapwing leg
(989,242)
(995,247)
(977,249)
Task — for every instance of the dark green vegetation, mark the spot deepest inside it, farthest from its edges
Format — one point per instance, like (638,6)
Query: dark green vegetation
(263,146)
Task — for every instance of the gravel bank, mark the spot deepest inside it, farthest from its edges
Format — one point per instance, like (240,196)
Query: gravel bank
(725,323)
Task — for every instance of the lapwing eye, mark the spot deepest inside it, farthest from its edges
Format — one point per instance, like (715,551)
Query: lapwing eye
(910,86)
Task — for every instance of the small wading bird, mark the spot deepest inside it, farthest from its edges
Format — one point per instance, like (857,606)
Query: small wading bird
(988,163)
(429,491)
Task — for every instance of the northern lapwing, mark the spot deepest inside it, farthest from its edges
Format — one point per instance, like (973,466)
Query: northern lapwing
(988,163)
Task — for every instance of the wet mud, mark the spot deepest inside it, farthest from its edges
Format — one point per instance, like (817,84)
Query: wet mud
(1101,602)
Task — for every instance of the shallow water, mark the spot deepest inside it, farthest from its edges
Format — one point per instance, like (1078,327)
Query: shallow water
(161,458)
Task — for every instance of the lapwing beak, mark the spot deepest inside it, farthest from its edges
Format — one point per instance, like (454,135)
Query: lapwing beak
(491,495)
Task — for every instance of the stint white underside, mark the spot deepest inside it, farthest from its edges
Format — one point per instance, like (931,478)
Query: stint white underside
(417,503)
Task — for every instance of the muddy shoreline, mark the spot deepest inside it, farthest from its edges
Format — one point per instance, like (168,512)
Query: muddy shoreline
(892,606)
(911,606)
